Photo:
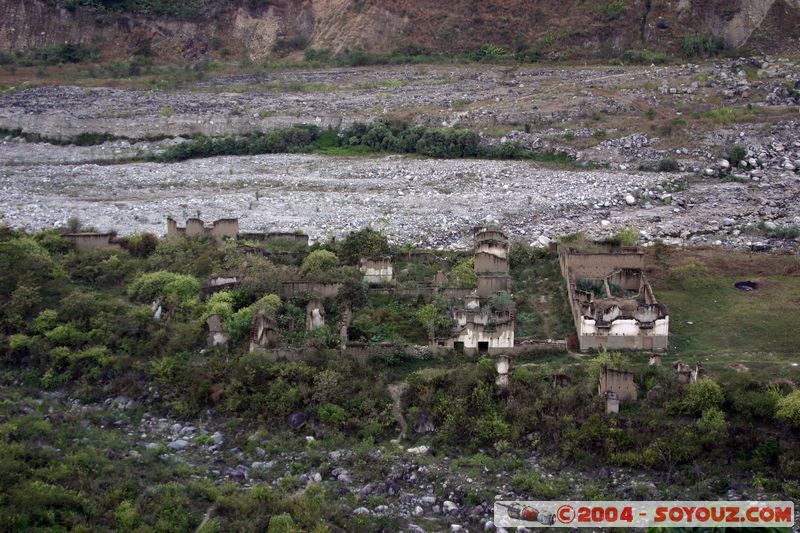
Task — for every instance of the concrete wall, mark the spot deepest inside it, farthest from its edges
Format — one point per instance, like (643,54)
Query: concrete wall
(488,285)
(501,339)
(619,382)
(287,236)
(484,234)
(624,334)
(486,262)
(226,228)
(377,270)
(575,265)
(291,289)
(92,241)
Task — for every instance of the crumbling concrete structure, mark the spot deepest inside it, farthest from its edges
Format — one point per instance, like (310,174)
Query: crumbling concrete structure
(264,332)
(377,269)
(92,241)
(612,403)
(620,382)
(561,381)
(293,289)
(315,314)
(503,366)
(686,374)
(219,283)
(226,228)
(612,303)
(491,261)
(477,328)
(217,336)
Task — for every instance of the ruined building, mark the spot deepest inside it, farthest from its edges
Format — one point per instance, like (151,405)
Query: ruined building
(377,269)
(228,228)
(612,303)
(478,327)
(491,261)
(620,383)
(92,241)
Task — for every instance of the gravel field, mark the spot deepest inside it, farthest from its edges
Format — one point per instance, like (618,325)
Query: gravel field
(424,201)
(421,201)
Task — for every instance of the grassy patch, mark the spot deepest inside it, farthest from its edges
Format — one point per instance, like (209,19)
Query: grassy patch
(710,316)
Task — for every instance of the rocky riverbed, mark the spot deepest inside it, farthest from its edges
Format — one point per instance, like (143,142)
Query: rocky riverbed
(424,202)
(618,123)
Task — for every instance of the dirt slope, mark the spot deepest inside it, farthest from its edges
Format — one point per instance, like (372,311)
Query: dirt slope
(551,28)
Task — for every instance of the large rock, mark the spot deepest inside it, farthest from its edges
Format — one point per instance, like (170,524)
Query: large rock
(297,420)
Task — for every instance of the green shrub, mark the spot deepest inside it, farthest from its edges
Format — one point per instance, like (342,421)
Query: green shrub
(689,274)
(668,165)
(319,261)
(140,245)
(488,53)
(701,396)
(788,409)
(220,304)
(463,275)
(736,154)
(696,44)
(712,427)
(612,9)
(364,243)
(148,287)
(282,523)
(332,414)
(23,261)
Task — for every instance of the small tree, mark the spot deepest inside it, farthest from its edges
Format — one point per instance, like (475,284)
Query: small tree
(364,243)
(463,275)
(319,261)
(712,427)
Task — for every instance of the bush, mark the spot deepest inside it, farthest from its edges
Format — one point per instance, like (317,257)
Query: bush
(668,165)
(701,396)
(364,243)
(612,9)
(23,261)
(149,287)
(736,154)
(695,44)
(463,276)
(788,409)
(489,52)
(332,414)
(141,245)
(319,261)
(712,427)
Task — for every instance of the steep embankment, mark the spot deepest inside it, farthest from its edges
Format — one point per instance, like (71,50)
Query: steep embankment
(548,28)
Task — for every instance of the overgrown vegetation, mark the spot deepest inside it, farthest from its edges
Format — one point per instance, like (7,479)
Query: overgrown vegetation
(174,8)
(81,324)
(701,45)
(382,135)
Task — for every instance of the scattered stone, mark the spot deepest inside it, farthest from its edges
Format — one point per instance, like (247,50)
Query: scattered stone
(178,444)
(418,450)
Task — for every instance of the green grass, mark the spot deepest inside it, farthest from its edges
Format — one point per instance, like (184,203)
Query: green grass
(726,320)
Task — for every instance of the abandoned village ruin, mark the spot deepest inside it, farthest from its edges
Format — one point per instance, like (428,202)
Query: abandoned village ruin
(612,303)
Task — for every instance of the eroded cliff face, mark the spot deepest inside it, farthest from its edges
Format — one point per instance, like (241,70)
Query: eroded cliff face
(557,28)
